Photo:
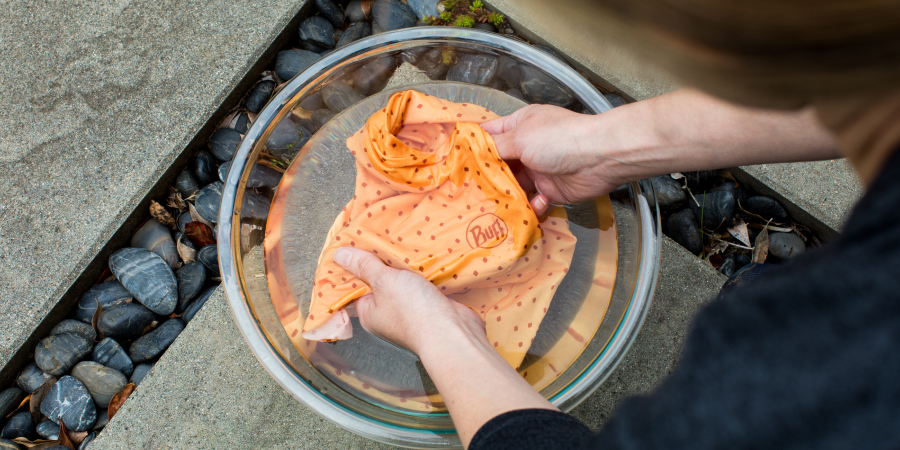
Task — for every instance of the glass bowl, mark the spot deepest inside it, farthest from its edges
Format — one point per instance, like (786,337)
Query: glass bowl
(364,384)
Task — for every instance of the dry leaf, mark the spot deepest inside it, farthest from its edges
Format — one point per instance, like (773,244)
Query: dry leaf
(39,444)
(739,231)
(761,246)
(64,437)
(195,216)
(95,320)
(187,254)
(119,399)
(161,215)
(149,328)
(34,405)
(200,234)
(175,201)
(676,176)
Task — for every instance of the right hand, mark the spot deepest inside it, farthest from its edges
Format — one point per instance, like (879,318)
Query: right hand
(561,160)
(405,308)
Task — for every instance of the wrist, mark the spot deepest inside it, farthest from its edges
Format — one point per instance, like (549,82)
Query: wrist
(448,333)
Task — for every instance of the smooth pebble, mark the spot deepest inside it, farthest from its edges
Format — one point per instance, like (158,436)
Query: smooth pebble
(154,343)
(70,401)
(148,277)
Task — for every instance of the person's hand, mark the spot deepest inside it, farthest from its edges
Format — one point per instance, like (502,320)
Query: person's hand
(405,308)
(561,160)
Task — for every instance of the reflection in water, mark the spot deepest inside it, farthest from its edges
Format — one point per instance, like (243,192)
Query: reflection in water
(321,181)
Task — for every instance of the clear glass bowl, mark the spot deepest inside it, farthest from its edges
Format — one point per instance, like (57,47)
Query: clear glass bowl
(597,323)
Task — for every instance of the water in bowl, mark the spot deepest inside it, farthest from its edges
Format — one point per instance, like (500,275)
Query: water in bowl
(317,185)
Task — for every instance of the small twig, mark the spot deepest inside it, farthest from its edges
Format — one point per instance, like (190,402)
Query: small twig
(732,244)
(270,165)
(771,227)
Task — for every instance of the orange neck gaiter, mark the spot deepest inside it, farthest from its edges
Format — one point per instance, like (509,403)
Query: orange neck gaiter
(433,196)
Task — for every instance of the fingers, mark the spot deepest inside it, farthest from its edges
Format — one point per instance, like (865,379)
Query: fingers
(361,263)
(503,130)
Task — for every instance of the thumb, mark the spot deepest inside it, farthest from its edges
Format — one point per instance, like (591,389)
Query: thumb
(362,264)
(499,125)
(365,309)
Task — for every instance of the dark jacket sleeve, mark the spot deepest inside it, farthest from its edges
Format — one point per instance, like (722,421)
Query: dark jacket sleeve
(527,429)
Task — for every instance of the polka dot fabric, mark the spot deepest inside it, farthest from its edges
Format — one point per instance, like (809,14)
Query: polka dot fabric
(433,196)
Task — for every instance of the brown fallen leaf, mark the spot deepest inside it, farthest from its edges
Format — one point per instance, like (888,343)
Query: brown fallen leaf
(195,216)
(175,201)
(64,438)
(34,405)
(187,254)
(161,215)
(119,399)
(761,246)
(95,320)
(739,231)
(39,444)
(150,327)
(18,409)
(200,234)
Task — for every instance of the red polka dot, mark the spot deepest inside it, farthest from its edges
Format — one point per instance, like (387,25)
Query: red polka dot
(498,318)
(520,344)
(475,273)
(495,344)
(529,324)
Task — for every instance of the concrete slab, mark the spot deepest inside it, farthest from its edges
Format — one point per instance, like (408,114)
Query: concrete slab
(101,98)
(820,194)
(223,398)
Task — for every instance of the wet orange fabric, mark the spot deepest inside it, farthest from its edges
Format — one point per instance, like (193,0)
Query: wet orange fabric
(433,196)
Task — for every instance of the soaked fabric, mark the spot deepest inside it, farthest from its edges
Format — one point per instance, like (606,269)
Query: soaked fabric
(433,196)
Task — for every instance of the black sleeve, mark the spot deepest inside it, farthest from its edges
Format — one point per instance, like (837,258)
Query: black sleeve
(531,429)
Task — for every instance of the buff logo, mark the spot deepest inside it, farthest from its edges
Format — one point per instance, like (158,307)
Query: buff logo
(486,231)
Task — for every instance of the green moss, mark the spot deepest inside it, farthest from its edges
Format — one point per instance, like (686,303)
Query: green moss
(496,19)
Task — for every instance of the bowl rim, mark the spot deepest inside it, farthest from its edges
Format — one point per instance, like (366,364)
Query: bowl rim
(285,375)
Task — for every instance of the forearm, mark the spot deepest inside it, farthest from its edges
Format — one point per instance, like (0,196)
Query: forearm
(687,130)
(476,383)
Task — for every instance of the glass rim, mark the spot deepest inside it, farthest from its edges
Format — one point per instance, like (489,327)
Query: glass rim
(269,357)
